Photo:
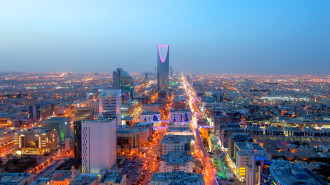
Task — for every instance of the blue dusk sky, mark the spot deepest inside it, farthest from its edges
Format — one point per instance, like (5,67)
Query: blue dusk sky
(232,36)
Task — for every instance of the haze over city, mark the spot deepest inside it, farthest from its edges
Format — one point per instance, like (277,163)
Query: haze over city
(250,37)
(165,92)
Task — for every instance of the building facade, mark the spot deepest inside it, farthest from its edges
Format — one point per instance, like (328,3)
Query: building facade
(123,81)
(162,68)
(109,104)
(98,145)
(36,141)
(61,125)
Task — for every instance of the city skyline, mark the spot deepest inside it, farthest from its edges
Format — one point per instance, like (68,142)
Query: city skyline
(89,93)
(273,37)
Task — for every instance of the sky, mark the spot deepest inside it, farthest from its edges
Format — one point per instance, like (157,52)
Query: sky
(232,36)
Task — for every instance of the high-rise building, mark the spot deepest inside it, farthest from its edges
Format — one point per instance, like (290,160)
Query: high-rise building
(34,112)
(123,81)
(77,143)
(109,104)
(98,145)
(163,68)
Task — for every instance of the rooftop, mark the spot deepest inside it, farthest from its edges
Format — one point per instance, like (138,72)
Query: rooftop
(172,139)
(248,146)
(84,179)
(111,177)
(287,173)
(177,177)
(13,178)
(177,158)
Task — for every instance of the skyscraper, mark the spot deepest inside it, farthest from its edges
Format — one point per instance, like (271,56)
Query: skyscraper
(163,68)
(123,81)
(34,112)
(77,143)
(109,104)
(98,145)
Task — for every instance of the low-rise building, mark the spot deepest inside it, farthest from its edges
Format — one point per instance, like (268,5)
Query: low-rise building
(226,132)
(61,125)
(145,132)
(177,177)
(83,113)
(179,115)
(284,172)
(248,154)
(309,131)
(254,130)
(85,179)
(16,178)
(293,131)
(179,130)
(61,177)
(176,161)
(149,116)
(127,140)
(112,178)
(275,131)
(7,140)
(177,143)
(237,137)
(36,141)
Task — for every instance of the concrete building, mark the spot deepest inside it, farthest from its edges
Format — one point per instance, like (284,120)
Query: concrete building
(7,139)
(275,131)
(179,115)
(152,107)
(98,145)
(177,177)
(61,125)
(16,178)
(219,126)
(179,130)
(226,132)
(293,131)
(61,177)
(94,105)
(86,179)
(309,131)
(149,116)
(254,130)
(127,140)
(176,161)
(284,172)
(177,143)
(36,141)
(145,132)
(112,178)
(109,104)
(248,154)
(83,113)
(237,137)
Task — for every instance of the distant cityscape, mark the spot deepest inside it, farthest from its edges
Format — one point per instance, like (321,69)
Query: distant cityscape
(164,128)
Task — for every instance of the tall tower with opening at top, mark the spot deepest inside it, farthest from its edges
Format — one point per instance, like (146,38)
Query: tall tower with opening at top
(162,67)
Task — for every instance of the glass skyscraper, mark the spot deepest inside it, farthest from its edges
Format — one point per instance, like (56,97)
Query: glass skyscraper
(123,81)
(162,68)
